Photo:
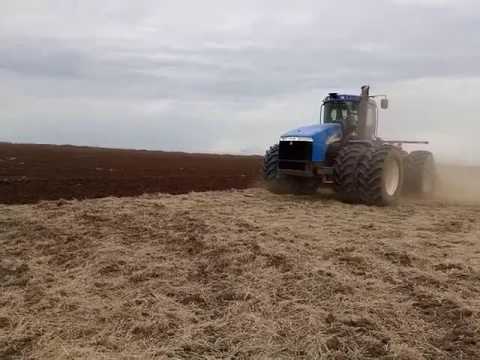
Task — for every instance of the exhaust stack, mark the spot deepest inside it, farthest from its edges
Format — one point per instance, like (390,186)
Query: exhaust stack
(362,116)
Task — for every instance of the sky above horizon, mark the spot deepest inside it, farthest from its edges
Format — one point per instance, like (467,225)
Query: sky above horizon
(231,76)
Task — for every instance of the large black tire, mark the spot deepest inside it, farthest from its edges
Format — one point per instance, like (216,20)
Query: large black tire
(270,164)
(281,184)
(345,169)
(420,173)
(380,176)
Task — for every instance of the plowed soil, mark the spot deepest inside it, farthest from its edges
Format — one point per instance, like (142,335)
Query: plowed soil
(29,173)
(239,274)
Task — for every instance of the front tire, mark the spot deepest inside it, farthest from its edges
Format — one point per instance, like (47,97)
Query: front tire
(282,184)
(345,168)
(380,176)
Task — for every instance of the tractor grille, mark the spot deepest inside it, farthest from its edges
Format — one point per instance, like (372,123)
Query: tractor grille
(296,150)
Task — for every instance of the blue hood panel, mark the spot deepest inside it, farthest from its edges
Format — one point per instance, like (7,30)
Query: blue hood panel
(320,133)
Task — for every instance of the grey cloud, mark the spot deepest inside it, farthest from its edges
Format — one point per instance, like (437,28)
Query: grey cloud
(42,57)
(226,70)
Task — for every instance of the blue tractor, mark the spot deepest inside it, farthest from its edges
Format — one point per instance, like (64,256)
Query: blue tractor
(343,151)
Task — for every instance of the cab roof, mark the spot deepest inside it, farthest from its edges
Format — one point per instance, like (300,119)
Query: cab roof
(341,97)
(345,97)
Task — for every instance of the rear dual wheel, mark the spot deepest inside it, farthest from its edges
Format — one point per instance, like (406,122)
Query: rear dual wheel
(420,173)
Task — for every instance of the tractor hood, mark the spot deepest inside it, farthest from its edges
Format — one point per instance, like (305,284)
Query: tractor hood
(322,136)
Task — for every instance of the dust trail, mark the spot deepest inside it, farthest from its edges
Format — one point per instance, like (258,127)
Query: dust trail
(458,183)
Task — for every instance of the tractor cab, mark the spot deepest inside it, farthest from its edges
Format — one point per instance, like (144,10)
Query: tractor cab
(345,110)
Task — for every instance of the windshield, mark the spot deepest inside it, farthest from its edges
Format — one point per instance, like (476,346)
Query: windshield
(335,111)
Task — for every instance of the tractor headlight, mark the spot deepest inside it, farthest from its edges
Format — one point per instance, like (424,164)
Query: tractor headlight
(332,139)
(296,138)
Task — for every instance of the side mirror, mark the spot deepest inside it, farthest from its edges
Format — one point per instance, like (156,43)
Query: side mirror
(384,103)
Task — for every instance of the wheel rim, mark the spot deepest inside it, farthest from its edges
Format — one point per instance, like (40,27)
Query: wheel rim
(391,176)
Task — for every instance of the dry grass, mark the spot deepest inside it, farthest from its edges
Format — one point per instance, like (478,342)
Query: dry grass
(240,274)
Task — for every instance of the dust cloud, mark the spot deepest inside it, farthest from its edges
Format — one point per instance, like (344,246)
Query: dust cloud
(458,183)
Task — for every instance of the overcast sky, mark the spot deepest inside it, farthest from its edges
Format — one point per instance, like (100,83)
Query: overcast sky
(231,76)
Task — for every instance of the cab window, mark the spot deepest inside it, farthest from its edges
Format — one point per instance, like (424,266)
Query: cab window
(339,111)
